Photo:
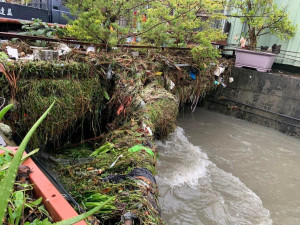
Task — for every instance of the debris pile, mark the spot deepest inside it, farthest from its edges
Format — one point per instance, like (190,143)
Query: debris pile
(32,86)
(138,94)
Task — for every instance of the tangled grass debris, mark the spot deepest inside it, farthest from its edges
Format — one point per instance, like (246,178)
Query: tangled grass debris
(78,89)
(140,105)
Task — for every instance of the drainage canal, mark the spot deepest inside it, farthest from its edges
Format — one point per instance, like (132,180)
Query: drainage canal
(216,169)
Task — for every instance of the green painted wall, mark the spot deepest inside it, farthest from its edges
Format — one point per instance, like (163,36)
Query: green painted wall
(293,7)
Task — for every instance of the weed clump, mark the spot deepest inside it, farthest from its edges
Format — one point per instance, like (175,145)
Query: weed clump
(79,93)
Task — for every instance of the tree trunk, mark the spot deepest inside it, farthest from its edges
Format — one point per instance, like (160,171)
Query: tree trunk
(253,38)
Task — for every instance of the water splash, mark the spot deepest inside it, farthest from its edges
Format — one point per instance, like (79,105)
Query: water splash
(187,165)
(195,191)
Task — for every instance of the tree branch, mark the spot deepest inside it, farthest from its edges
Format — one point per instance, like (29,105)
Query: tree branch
(156,25)
(142,4)
(262,34)
(269,25)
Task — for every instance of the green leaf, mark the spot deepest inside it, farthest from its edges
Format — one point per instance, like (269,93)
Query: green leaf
(6,150)
(78,218)
(43,210)
(49,34)
(14,40)
(7,165)
(10,216)
(46,222)
(29,154)
(38,222)
(19,198)
(4,110)
(40,32)
(8,158)
(37,202)
(10,176)
(3,55)
(106,95)
(141,147)
(103,149)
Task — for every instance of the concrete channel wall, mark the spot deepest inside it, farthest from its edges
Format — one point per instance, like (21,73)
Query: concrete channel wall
(268,99)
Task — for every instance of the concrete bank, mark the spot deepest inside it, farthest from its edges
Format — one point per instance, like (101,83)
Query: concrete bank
(268,99)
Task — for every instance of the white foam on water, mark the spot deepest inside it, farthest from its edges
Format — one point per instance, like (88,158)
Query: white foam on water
(194,189)
(189,164)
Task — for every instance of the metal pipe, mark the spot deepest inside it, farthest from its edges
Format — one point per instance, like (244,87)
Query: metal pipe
(16,21)
(75,41)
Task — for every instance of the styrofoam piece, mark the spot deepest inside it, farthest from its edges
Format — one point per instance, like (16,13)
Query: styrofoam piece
(12,52)
(63,49)
(219,71)
(90,49)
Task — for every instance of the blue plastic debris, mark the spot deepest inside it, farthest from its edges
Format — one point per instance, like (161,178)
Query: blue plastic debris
(193,75)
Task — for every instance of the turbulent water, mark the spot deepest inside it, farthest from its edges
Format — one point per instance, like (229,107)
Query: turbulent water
(216,169)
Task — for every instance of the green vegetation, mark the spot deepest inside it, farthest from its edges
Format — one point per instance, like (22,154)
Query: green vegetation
(3,55)
(76,87)
(38,28)
(21,205)
(18,199)
(140,103)
(262,17)
(5,110)
(159,23)
(9,178)
(86,180)
(142,106)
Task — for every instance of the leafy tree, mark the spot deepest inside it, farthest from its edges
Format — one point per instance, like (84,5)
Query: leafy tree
(263,17)
(156,22)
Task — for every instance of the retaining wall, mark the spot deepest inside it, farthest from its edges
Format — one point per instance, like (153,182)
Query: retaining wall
(268,99)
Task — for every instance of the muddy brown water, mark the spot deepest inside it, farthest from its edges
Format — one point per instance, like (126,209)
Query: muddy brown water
(216,169)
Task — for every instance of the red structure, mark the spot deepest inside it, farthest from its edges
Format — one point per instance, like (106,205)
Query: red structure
(58,208)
